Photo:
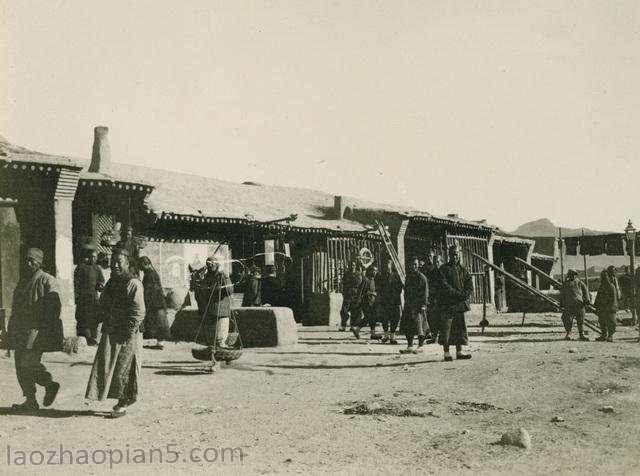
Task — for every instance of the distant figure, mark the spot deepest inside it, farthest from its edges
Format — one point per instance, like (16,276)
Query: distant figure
(414,316)
(132,246)
(389,290)
(155,325)
(500,292)
(350,283)
(105,267)
(636,289)
(271,287)
(88,281)
(456,288)
(213,290)
(118,361)
(606,304)
(574,298)
(626,290)
(253,289)
(35,327)
(431,271)
(364,309)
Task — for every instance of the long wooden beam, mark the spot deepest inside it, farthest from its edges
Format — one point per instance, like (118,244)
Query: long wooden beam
(521,284)
(539,272)
(557,284)
(518,282)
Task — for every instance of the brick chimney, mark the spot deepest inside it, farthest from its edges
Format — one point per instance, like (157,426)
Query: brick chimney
(339,206)
(101,155)
(453,215)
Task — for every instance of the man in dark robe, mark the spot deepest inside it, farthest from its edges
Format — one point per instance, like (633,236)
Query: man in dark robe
(574,298)
(118,361)
(389,289)
(364,309)
(431,271)
(252,291)
(105,267)
(271,287)
(155,324)
(636,290)
(414,317)
(606,305)
(132,246)
(350,285)
(626,290)
(88,281)
(456,288)
(35,327)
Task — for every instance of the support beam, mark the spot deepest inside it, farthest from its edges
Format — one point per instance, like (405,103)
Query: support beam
(65,192)
(526,287)
(539,272)
(63,259)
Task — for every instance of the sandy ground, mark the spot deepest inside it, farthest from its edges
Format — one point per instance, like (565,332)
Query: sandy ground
(284,408)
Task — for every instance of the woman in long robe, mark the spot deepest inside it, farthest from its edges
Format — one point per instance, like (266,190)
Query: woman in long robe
(117,365)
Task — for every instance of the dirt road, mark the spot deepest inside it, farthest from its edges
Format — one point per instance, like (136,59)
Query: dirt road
(284,408)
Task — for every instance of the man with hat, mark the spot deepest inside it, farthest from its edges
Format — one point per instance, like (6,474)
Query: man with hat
(88,280)
(35,327)
(574,298)
(455,289)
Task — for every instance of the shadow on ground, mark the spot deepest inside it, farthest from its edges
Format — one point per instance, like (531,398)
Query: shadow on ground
(52,413)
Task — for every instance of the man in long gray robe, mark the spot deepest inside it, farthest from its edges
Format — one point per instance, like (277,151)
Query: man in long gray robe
(118,361)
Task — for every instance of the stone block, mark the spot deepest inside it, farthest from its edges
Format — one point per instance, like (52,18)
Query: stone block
(258,326)
(323,310)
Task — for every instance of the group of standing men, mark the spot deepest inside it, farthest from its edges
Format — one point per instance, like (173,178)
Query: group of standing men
(436,298)
(575,300)
(125,306)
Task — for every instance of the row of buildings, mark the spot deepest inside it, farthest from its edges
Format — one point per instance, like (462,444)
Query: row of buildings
(59,203)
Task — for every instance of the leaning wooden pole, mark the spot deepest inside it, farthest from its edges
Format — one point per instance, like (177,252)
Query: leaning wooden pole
(557,284)
(561,246)
(521,284)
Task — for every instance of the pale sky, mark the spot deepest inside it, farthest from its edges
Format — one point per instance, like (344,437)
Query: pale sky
(505,110)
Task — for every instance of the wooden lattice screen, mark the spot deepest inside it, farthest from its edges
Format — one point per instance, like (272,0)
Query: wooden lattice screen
(470,245)
(324,270)
(102,224)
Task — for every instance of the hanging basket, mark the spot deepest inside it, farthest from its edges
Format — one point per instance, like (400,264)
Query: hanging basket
(226,355)
(211,353)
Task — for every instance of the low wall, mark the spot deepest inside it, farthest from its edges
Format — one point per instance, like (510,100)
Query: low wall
(258,326)
(323,310)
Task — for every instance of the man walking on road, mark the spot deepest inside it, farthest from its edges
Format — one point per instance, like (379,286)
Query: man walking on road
(34,328)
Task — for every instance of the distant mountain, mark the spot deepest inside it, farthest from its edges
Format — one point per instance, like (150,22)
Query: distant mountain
(545,227)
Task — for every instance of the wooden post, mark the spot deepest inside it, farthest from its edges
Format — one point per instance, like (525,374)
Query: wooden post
(632,263)
(484,322)
(584,257)
(561,246)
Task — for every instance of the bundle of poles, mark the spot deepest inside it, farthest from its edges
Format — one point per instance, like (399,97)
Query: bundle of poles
(530,289)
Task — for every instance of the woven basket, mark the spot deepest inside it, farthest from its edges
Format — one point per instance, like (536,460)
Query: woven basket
(226,355)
